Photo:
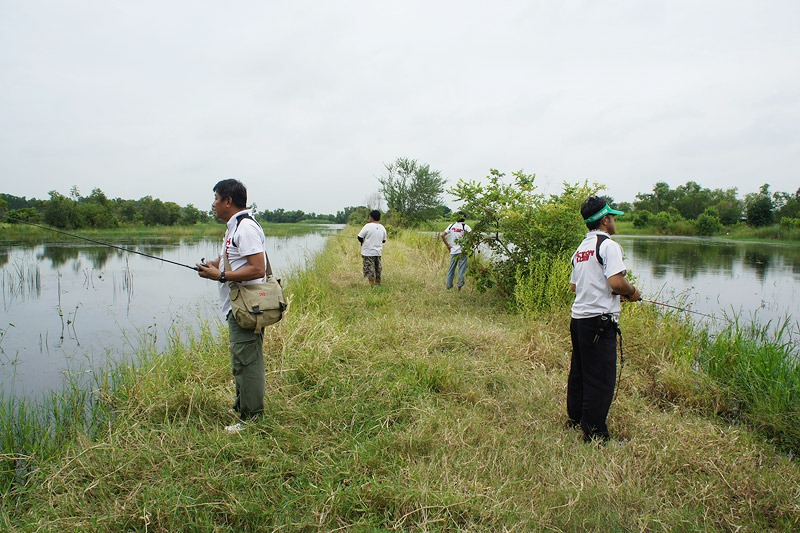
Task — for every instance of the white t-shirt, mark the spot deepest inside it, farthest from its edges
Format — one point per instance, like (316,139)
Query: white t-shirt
(453,234)
(374,235)
(249,240)
(593,294)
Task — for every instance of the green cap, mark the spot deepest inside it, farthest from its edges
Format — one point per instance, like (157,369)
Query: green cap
(600,214)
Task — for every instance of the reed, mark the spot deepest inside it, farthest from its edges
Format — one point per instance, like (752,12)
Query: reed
(758,364)
(18,280)
(35,431)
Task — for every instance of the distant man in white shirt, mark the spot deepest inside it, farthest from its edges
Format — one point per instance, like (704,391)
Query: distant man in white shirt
(458,257)
(598,280)
(372,236)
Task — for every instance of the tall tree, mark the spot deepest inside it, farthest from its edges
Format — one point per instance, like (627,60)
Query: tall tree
(412,190)
(728,206)
(758,207)
(660,200)
(786,205)
(691,200)
(61,212)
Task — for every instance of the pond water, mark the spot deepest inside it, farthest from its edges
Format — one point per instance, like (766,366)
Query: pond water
(67,308)
(753,282)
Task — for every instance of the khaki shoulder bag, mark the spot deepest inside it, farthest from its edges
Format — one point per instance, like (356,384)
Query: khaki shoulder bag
(257,305)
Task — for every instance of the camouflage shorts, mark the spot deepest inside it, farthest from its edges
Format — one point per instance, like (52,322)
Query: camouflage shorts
(372,266)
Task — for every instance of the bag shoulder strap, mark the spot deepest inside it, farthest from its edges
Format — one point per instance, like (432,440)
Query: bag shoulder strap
(239,221)
(233,243)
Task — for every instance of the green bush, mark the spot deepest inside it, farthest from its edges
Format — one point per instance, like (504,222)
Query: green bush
(641,219)
(708,223)
(790,223)
(662,222)
(519,227)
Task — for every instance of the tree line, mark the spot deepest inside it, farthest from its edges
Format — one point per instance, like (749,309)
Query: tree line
(96,210)
(413,194)
(693,209)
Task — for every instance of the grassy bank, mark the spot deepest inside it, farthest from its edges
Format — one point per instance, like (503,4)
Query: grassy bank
(23,233)
(414,408)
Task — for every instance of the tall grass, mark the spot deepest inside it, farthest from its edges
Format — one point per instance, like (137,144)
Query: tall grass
(739,371)
(544,285)
(777,232)
(34,431)
(758,364)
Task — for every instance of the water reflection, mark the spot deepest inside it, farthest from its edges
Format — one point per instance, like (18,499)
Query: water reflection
(758,261)
(67,307)
(756,281)
(59,254)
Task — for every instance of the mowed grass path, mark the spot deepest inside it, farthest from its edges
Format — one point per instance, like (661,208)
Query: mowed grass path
(407,407)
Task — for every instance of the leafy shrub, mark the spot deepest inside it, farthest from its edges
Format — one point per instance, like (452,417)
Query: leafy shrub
(26,214)
(708,223)
(519,227)
(790,223)
(662,221)
(358,216)
(641,219)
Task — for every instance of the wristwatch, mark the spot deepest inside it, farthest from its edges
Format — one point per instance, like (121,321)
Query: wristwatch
(222,278)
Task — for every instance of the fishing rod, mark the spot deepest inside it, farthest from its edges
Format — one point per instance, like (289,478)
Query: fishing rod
(679,308)
(103,243)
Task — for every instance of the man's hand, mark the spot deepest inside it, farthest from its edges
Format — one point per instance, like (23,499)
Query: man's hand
(207,271)
(635,297)
(443,236)
(626,291)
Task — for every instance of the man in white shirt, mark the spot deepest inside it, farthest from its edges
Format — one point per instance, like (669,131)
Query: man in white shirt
(244,246)
(458,257)
(598,280)
(372,236)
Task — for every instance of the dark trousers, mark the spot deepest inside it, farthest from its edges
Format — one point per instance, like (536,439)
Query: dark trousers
(590,387)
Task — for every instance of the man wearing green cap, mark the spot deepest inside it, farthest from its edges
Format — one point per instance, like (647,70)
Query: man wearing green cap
(598,280)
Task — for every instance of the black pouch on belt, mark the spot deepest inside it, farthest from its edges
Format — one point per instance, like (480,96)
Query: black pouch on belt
(604,322)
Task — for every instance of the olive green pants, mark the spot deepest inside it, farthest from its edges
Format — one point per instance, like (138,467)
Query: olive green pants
(247,363)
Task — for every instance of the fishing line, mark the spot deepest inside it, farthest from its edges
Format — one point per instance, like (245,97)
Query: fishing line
(680,308)
(103,243)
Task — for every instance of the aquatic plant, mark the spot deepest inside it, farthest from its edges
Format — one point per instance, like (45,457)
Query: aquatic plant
(758,363)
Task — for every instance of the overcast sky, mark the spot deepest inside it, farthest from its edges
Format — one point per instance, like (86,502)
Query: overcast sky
(305,101)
